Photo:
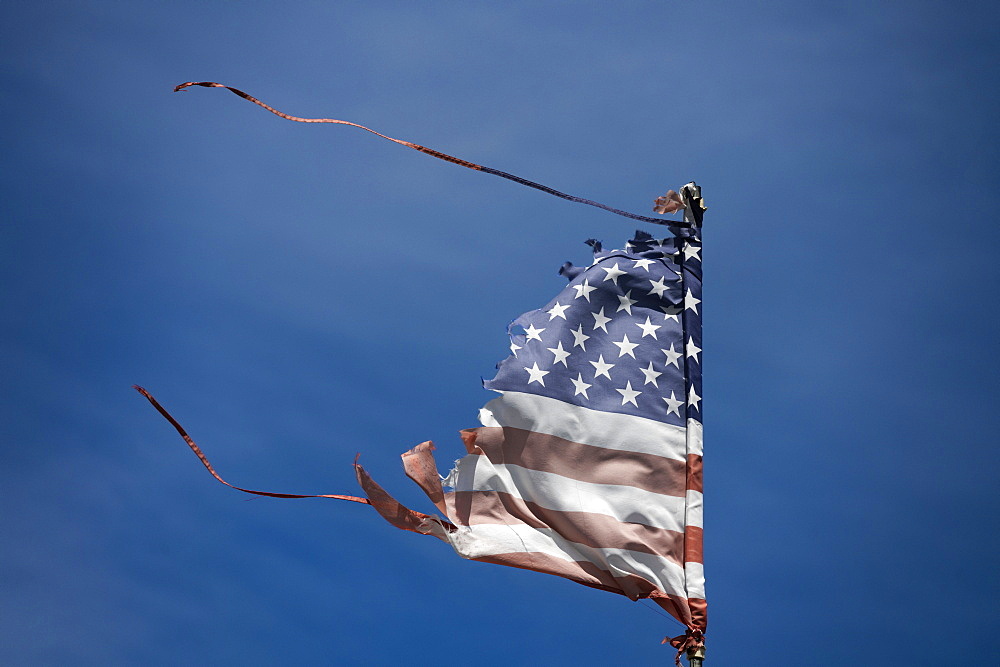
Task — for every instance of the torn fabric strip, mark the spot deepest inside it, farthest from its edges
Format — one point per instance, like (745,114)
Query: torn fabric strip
(589,463)
(667,204)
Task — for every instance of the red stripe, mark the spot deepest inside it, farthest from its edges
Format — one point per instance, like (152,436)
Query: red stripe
(420,467)
(693,545)
(694,535)
(695,481)
(393,511)
(584,463)
(699,613)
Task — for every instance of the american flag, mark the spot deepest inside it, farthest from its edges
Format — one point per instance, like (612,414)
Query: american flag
(588,464)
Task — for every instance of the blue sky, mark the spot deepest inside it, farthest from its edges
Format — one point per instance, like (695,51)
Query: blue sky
(296,294)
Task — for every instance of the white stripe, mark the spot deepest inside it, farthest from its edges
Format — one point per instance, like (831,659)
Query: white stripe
(695,509)
(585,426)
(562,494)
(494,539)
(695,575)
(694,437)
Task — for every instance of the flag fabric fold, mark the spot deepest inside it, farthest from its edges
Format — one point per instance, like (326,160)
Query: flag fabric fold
(588,465)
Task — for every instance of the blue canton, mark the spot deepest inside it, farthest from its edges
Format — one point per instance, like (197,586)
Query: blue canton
(624,336)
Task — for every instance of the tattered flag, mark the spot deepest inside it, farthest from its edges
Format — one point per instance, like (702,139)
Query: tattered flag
(588,465)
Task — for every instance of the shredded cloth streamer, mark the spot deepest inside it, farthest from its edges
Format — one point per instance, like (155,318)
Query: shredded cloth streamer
(204,459)
(666,204)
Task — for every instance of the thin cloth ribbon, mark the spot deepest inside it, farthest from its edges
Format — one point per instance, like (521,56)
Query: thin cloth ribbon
(691,639)
(663,204)
(208,466)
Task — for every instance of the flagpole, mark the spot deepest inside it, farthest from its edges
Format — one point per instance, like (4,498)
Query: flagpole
(696,656)
(694,210)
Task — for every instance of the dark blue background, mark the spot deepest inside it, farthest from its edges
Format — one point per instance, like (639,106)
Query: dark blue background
(296,294)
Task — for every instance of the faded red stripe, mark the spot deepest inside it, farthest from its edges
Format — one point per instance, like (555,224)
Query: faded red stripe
(392,510)
(699,613)
(695,481)
(693,545)
(585,463)
(420,467)
(694,535)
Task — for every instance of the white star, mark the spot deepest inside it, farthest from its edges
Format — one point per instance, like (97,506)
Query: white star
(537,374)
(673,405)
(692,349)
(672,356)
(659,287)
(514,348)
(560,353)
(600,321)
(648,329)
(584,289)
(626,303)
(613,273)
(693,398)
(691,302)
(670,313)
(628,394)
(625,347)
(601,368)
(580,338)
(650,374)
(691,251)
(643,264)
(579,386)
(533,333)
(557,311)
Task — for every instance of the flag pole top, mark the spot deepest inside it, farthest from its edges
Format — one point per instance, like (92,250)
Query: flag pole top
(696,655)
(694,205)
